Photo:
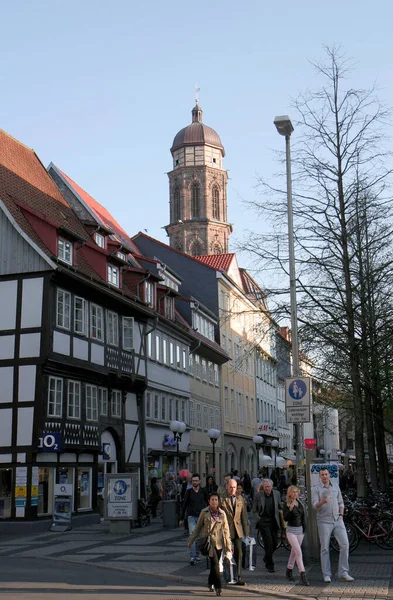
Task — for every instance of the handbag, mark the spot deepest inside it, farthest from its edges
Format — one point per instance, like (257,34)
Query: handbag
(204,543)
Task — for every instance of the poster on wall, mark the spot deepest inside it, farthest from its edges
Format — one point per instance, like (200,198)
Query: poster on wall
(332,467)
(121,496)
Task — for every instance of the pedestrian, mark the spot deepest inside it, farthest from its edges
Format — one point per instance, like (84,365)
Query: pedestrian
(246,480)
(211,485)
(328,502)
(195,500)
(235,508)
(212,521)
(155,496)
(223,488)
(267,504)
(186,485)
(255,483)
(294,515)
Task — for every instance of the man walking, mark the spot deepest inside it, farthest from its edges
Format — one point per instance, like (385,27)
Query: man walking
(223,488)
(328,502)
(195,500)
(235,508)
(267,504)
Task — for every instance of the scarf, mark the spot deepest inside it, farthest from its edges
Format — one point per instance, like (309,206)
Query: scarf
(215,514)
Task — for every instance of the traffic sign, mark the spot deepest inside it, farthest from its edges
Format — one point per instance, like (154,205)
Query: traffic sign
(297,399)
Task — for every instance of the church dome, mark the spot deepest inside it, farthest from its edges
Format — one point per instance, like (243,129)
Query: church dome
(197,133)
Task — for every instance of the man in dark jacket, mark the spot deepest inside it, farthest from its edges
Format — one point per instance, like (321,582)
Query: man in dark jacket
(267,505)
(195,500)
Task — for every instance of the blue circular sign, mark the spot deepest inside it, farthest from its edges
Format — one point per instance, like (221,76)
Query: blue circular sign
(120,487)
(297,389)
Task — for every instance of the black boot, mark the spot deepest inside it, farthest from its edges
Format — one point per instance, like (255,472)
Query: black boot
(303,578)
(289,575)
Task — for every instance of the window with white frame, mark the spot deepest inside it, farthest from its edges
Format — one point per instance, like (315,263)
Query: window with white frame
(148,405)
(177,411)
(165,351)
(122,256)
(113,275)
(63,309)
(171,354)
(233,411)
(197,366)
(210,371)
(64,251)
(116,404)
(163,408)
(156,407)
(74,400)
(211,417)
(170,409)
(191,364)
(168,307)
(128,333)
(55,397)
(204,369)
(158,348)
(99,240)
(149,293)
(218,419)
(91,403)
(96,322)
(80,315)
(205,417)
(103,401)
(184,363)
(226,403)
(247,411)
(112,328)
(216,375)
(178,354)
(192,416)
(183,412)
(198,416)
(149,341)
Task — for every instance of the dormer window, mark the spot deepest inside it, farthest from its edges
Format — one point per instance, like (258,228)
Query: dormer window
(168,307)
(122,256)
(99,240)
(64,251)
(149,293)
(113,275)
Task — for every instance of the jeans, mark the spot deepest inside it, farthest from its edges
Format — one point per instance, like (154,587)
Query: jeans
(296,551)
(268,531)
(325,530)
(192,521)
(214,575)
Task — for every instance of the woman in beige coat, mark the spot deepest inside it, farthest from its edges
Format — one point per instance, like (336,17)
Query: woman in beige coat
(213,516)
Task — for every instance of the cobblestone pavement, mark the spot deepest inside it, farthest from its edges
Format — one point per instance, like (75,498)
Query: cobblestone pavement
(163,552)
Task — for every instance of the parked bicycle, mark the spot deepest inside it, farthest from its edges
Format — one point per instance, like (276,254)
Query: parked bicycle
(368,523)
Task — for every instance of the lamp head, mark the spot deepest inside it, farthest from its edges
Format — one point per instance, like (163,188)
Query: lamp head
(257,439)
(214,434)
(283,125)
(174,426)
(274,443)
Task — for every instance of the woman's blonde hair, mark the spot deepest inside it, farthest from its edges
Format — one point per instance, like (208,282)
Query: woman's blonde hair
(292,488)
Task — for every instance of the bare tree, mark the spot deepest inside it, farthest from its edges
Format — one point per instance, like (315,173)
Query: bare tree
(343,239)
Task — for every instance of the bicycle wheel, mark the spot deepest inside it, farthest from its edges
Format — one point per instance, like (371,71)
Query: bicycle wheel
(353,539)
(382,532)
(260,540)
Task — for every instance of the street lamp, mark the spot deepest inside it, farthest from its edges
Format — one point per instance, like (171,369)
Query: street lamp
(177,428)
(214,434)
(284,127)
(274,444)
(321,452)
(258,441)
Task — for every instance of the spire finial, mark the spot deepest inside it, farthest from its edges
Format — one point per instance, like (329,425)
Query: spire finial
(197,90)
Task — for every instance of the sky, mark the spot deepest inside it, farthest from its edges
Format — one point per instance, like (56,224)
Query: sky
(101,88)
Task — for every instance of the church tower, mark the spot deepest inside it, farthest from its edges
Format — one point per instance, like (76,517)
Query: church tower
(198,191)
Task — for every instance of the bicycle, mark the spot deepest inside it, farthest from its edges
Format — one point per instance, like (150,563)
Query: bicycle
(359,523)
(281,540)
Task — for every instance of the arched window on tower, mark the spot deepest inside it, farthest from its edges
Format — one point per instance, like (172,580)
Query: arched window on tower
(176,204)
(196,248)
(195,201)
(216,203)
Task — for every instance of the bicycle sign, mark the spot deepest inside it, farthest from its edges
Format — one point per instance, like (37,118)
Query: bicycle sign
(297,399)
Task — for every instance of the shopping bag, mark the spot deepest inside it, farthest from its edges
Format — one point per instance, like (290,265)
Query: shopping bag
(230,571)
(249,547)
(221,563)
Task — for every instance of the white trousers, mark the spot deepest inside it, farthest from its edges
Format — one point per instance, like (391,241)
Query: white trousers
(296,551)
(325,530)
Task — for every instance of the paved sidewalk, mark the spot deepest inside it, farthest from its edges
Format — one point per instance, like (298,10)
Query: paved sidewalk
(163,552)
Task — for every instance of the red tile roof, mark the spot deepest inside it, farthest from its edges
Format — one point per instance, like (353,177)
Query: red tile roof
(220,262)
(102,214)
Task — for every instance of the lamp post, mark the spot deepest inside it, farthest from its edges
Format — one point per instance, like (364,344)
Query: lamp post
(214,434)
(258,441)
(284,127)
(177,428)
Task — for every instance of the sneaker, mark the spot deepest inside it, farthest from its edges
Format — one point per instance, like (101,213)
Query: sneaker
(198,559)
(347,577)
(192,562)
(327,579)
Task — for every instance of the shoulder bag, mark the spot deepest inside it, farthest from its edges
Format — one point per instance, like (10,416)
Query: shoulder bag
(204,543)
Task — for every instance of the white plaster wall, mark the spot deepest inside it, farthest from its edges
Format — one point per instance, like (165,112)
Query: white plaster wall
(27,376)
(32,292)
(29,345)
(97,354)
(7,346)
(131,409)
(67,457)
(5,426)
(61,343)
(5,458)
(8,290)
(86,458)
(6,384)
(25,426)
(81,349)
(130,430)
